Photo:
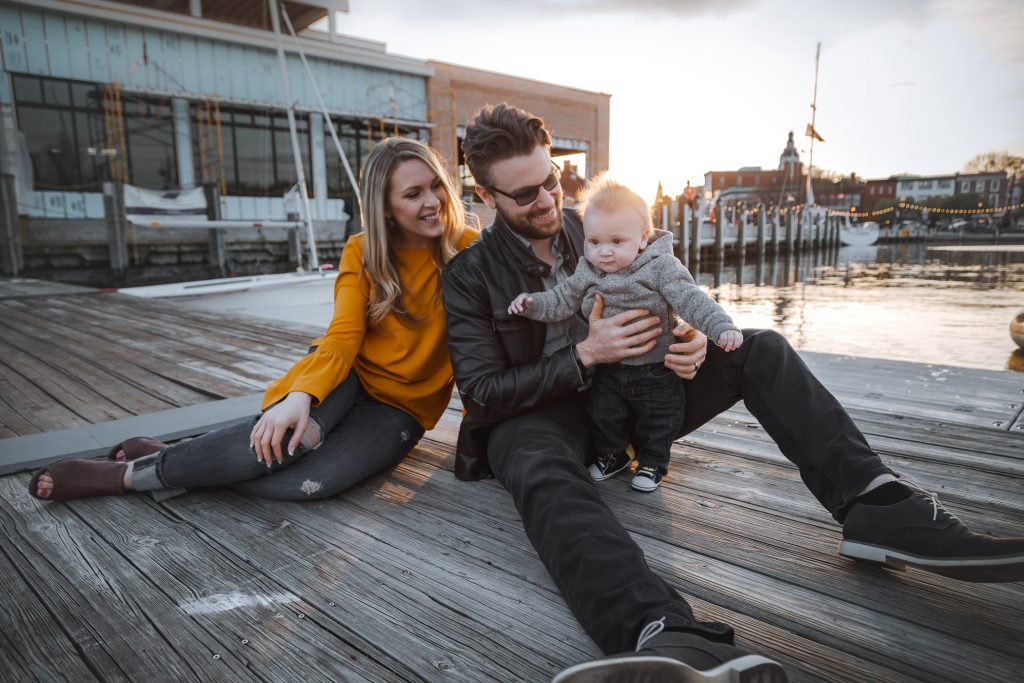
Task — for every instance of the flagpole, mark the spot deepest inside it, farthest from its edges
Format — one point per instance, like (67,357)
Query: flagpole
(814,111)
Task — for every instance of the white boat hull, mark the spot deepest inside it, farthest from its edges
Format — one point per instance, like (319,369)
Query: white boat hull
(859,235)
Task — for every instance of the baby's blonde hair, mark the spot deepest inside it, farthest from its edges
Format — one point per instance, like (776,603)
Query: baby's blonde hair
(604,194)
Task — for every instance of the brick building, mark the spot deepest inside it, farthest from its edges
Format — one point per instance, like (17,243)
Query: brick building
(877,191)
(578,119)
(992,187)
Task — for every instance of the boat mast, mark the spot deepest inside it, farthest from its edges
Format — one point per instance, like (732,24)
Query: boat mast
(814,111)
(275,22)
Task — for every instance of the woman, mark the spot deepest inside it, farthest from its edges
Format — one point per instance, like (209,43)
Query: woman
(368,389)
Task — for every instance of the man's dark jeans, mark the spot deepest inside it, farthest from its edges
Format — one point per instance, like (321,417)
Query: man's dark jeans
(539,457)
(638,404)
(361,437)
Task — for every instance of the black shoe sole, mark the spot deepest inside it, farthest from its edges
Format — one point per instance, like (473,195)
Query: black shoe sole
(984,570)
(642,669)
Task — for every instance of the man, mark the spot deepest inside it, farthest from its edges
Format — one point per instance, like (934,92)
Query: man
(523,384)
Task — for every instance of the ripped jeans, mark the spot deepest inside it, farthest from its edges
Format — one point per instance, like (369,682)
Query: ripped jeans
(360,437)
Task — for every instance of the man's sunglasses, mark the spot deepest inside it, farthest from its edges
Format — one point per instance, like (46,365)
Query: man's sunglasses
(529,195)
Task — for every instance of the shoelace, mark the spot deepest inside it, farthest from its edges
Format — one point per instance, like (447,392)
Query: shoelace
(933,497)
(652,629)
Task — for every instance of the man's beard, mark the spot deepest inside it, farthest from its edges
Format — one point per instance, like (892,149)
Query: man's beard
(524,228)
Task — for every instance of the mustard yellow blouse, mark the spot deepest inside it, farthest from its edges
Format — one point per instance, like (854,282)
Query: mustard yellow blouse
(407,368)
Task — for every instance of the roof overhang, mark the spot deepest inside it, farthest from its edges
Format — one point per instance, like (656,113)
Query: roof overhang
(341,48)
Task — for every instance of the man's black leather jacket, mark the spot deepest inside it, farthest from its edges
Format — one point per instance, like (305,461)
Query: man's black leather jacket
(498,358)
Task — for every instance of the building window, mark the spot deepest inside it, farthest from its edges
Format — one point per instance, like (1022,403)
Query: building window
(257,155)
(149,132)
(993,185)
(63,126)
(979,186)
(965,186)
(944,184)
(924,184)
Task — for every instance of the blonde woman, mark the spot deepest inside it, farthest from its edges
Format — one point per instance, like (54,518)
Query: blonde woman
(367,390)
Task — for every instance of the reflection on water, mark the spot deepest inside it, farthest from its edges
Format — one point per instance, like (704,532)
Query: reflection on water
(903,302)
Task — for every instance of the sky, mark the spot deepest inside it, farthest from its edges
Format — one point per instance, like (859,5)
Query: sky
(905,86)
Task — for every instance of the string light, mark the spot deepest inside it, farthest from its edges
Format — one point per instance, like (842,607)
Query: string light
(960,212)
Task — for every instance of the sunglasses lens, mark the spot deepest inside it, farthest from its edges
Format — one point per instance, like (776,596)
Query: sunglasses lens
(524,198)
(530,196)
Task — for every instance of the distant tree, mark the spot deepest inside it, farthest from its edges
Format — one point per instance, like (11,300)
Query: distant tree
(993,162)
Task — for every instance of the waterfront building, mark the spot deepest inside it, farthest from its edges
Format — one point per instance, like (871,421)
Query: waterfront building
(912,188)
(877,191)
(782,186)
(993,188)
(184,93)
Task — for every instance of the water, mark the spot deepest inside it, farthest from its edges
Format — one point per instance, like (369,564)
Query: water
(950,306)
(946,305)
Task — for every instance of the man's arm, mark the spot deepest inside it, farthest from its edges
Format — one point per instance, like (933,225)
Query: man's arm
(488,385)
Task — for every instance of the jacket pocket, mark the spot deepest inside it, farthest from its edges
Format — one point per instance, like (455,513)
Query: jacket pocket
(517,335)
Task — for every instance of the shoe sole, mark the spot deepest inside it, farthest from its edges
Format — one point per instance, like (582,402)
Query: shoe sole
(601,477)
(989,570)
(645,488)
(636,669)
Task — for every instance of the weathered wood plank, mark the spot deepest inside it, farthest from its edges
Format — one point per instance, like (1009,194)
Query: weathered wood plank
(246,602)
(36,450)
(35,647)
(48,335)
(105,606)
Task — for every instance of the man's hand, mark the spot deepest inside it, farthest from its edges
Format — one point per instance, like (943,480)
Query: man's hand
(685,356)
(266,436)
(625,335)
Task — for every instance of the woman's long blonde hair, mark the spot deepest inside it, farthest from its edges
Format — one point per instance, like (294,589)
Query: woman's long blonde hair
(379,259)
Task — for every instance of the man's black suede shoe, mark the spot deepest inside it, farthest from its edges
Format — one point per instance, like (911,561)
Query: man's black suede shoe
(919,532)
(676,657)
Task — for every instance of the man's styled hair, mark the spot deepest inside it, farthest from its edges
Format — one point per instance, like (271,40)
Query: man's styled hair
(604,194)
(498,132)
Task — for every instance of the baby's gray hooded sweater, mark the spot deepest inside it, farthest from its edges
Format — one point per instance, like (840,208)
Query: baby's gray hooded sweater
(656,281)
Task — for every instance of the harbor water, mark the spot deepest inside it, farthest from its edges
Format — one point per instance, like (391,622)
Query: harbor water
(913,302)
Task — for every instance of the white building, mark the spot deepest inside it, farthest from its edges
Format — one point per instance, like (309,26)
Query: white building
(920,188)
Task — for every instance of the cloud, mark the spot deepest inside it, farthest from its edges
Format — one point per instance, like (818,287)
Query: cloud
(1000,23)
(534,10)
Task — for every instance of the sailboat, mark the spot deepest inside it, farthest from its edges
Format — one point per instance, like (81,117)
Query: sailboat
(860,235)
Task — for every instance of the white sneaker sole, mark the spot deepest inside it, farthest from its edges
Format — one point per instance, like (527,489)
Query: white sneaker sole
(986,570)
(637,669)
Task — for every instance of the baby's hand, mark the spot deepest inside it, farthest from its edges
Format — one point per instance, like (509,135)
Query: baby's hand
(520,304)
(730,340)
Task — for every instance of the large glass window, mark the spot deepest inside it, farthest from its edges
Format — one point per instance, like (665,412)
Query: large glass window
(72,143)
(63,126)
(257,155)
(149,135)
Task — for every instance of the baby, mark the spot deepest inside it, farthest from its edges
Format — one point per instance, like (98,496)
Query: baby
(632,266)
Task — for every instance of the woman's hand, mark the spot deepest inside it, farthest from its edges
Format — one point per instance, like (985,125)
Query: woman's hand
(685,356)
(291,413)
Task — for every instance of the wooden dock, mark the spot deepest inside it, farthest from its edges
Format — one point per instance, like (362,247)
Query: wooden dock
(414,576)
